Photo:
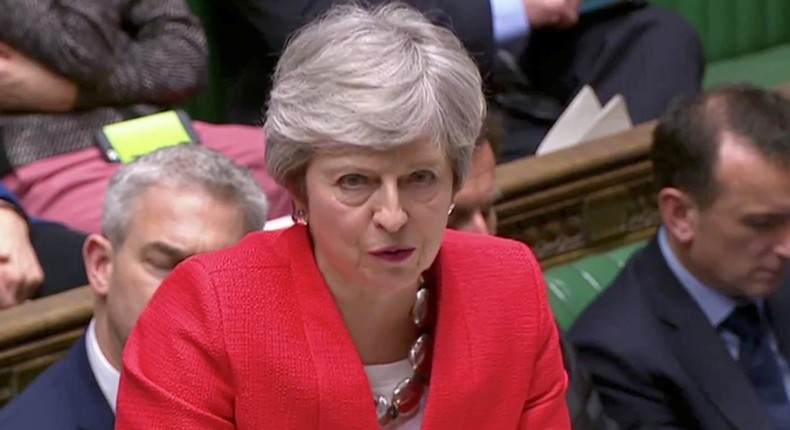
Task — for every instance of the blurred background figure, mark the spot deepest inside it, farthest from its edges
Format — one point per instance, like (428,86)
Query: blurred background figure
(67,70)
(37,258)
(535,55)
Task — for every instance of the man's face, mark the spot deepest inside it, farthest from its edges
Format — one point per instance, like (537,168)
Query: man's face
(474,211)
(167,225)
(740,244)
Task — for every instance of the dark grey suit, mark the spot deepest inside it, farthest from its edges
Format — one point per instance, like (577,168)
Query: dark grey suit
(657,361)
(65,397)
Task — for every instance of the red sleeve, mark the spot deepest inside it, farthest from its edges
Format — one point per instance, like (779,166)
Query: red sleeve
(545,408)
(175,369)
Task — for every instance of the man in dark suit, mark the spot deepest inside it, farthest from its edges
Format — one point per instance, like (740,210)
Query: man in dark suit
(159,209)
(695,331)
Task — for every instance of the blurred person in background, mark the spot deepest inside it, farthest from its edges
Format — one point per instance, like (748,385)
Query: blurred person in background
(37,257)
(68,68)
(534,55)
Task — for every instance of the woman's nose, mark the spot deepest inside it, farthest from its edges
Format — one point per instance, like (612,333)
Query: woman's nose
(389,215)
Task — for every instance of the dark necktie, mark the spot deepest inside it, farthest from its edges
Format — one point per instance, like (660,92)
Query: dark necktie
(758,361)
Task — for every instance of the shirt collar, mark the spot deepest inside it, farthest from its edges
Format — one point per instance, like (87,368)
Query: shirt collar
(106,376)
(716,306)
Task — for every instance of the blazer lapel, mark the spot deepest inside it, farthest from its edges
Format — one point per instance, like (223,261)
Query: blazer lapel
(779,315)
(91,410)
(698,348)
(452,376)
(343,391)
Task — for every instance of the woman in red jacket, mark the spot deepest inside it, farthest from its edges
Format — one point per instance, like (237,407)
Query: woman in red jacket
(366,314)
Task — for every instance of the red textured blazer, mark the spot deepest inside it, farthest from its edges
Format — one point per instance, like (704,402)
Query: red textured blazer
(250,338)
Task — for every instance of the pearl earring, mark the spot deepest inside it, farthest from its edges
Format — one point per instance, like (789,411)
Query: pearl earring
(300,217)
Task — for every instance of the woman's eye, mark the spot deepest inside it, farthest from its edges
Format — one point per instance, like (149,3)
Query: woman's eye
(422,177)
(352,181)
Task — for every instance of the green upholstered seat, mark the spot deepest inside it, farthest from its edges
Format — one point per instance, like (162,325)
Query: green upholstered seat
(769,68)
(744,40)
(573,286)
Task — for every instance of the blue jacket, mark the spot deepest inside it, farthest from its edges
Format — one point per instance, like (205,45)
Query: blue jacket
(65,397)
(7,195)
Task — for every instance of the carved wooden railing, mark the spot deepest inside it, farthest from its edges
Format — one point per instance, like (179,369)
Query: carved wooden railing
(582,199)
(37,333)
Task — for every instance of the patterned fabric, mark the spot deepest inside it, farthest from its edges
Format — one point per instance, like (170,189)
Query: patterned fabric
(128,57)
(758,361)
(250,337)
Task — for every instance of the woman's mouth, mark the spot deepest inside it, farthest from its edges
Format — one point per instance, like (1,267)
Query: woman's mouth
(394,254)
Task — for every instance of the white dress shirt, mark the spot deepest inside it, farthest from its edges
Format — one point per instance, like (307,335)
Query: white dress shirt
(106,376)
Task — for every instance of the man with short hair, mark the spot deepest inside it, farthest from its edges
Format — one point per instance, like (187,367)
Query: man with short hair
(695,331)
(159,210)
(473,204)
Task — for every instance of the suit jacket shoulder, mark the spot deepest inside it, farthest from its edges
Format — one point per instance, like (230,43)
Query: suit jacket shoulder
(656,359)
(65,396)
(621,316)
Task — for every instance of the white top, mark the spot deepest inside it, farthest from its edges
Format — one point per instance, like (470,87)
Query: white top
(278,223)
(106,376)
(383,378)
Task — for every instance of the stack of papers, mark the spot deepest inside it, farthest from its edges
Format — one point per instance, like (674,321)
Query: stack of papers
(585,119)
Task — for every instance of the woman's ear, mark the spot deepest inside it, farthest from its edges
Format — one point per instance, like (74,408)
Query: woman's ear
(678,214)
(297,205)
(97,253)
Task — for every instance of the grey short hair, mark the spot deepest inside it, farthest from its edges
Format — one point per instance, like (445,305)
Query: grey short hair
(192,166)
(374,78)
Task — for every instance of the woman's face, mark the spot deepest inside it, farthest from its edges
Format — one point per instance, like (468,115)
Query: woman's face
(377,218)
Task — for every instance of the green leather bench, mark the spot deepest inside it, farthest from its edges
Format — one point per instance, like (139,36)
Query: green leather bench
(573,286)
(744,40)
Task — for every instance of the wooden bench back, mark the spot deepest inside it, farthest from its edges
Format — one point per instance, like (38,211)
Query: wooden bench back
(37,333)
(580,200)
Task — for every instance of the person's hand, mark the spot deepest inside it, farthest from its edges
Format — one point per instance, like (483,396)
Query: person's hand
(26,85)
(20,271)
(552,13)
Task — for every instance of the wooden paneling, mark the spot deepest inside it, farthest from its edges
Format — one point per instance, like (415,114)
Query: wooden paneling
(37,333)
(580,200)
